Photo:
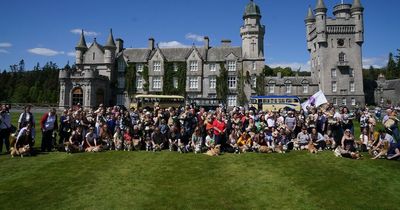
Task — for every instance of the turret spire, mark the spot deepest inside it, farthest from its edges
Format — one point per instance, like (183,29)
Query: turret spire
(310,15)
(110,40)
(320,5)
(82,43)
(357,5)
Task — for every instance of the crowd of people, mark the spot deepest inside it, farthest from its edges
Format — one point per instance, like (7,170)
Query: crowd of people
(191,129)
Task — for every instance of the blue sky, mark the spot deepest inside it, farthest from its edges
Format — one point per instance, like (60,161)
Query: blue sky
(43,30)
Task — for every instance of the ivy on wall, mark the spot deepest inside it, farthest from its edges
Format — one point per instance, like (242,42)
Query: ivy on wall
(242,99)
(260,85)
(130,78)
(222,83)
(170,74)
(145,76)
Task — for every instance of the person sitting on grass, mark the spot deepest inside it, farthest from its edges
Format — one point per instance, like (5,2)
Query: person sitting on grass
(317,139)
(348,141)
(384,139)
(118,139)
(210,139)
(91,141)
(303,138)
(75,143)
(25,137)
(196,140)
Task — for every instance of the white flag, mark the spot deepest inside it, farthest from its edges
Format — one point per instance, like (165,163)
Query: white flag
(316,100)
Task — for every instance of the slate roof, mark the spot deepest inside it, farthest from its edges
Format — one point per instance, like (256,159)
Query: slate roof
(137,55)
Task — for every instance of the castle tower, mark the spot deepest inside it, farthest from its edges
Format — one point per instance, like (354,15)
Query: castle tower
(252,32)
(109,49)
(335,46)
(80,49)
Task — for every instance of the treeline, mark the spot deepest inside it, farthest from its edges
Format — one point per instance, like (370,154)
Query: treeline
(37,86)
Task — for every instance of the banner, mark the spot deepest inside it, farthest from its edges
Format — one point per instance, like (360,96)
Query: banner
(315,100)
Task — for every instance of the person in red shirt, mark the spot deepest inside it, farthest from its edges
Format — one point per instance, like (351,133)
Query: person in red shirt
(219,130)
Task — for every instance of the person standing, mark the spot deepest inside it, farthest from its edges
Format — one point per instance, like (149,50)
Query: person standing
(48,124)
(26,117)
(5,125)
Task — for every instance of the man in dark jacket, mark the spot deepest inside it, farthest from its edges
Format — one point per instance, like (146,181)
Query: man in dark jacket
(48,124)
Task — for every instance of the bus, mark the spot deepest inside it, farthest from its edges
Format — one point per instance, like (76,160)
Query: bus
(163,101)
(275,103)
(207,103)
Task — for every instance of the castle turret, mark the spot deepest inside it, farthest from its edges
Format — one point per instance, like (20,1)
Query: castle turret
(320,16)
(252,32)
(310,21)
(109,49)
(80,49)
(357,12)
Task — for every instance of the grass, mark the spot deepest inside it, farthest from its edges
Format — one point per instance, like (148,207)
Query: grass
(168,180)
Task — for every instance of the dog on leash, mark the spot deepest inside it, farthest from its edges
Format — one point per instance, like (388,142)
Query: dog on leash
(311,148)
(214,151)
(127,145)
(137,144)
(380,152)
(25,150)
(265,149)
(118,145)
(157,148)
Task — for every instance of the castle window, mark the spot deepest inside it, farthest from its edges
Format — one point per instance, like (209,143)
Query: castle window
(232,82)
(342,57)
(288,85)
(175,67)
(213,67)
(213,82)
(334,86)
(271,86)
(305,86)
(335,101)
(156,82)
(232,100)
(344,101)
(175,82)
(231,65)
(254,81)
(193,83)
(254,66)
(157,66)
(340,42)
(333,73)
(77,96)
(194,66)
(121,82)
(121,65)
(353,101)
(352,87)
(139,67)
(94,56)
(351,72)
(139,82)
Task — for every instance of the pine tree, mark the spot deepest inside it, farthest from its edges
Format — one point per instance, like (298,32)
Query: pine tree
(391,67)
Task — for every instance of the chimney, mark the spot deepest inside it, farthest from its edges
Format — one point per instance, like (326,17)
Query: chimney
(151,43)
(206,42)
(279,74)
(226,43)
(120,45)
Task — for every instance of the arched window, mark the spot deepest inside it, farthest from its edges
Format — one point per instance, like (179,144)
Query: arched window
(77,96)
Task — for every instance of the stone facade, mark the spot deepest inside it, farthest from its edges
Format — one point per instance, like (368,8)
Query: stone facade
(387,92)
(335,46)
(100,71)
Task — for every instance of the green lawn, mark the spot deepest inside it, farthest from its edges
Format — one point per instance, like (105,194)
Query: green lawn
(168,180)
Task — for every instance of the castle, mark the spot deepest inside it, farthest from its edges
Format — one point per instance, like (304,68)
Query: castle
(334,44)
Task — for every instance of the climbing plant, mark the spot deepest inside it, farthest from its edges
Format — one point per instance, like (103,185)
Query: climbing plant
(130,78)
(170,74)
(222,83)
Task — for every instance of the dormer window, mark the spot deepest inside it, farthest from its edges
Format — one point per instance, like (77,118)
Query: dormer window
(231,65)
(342,57)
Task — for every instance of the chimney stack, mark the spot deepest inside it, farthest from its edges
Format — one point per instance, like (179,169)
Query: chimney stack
(151,43)
(206,42)
(226,43)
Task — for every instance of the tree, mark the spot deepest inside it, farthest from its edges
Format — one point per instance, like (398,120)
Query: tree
(391,67)
(268,71)
(398,64)
(37,67)
(21,65)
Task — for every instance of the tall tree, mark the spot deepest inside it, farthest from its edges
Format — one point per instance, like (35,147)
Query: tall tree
(391,67)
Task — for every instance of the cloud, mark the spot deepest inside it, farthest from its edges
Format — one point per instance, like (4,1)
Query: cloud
(71,54)
(45,51)
(293,65)
(5,44)
(376,62)
(3,51)
(87,33)
(194,37)
(172,44)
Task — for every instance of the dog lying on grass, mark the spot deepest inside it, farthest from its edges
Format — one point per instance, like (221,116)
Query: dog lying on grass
(25,150)
(94,149)
(380,152)
(214,151)
(311,148)
(265,149)
(339,152)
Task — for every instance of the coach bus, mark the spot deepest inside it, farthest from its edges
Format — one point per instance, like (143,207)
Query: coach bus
(275,103)
(206,103)
(163,101)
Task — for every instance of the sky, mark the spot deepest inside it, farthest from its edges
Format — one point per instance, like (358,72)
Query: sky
(48,30)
